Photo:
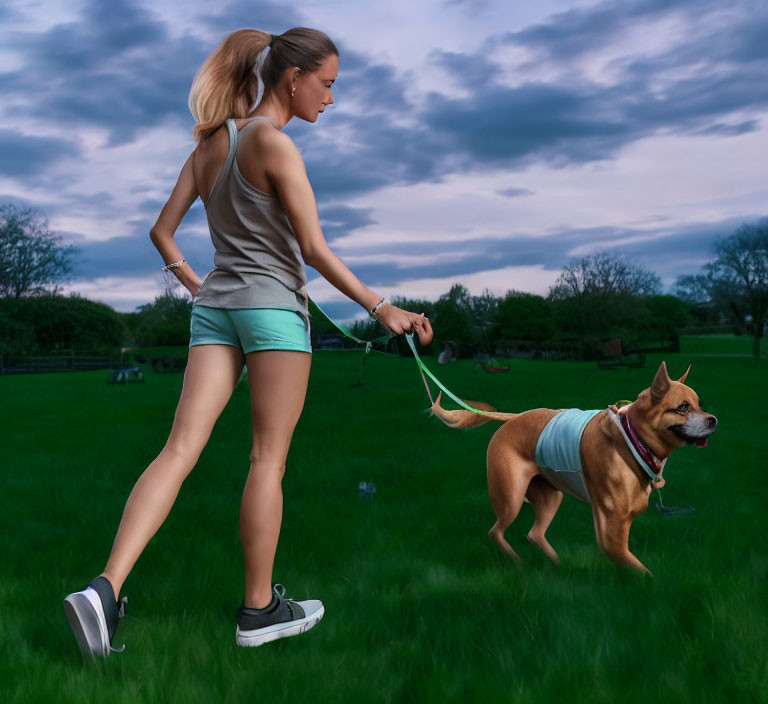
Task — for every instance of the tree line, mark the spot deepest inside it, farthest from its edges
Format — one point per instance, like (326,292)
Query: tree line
(598,296)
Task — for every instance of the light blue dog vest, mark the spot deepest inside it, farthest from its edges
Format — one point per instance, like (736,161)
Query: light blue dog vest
(558,451)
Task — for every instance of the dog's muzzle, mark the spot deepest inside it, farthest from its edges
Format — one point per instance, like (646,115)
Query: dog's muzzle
(696,429)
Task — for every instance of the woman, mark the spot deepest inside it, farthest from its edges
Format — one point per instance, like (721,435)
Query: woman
(251,308)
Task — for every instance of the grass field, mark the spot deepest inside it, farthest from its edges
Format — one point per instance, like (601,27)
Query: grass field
(720,345)
(419,606)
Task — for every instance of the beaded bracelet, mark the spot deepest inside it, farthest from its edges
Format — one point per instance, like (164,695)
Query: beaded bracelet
(373,310)
(175,265)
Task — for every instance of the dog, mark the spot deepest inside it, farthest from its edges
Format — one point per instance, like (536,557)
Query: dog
(620,455)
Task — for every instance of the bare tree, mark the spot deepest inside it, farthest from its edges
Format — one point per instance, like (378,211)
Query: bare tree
(694,289)
(32,258)
(604,274)
(738,277)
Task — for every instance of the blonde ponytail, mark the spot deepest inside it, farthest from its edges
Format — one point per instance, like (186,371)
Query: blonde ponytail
(226,84)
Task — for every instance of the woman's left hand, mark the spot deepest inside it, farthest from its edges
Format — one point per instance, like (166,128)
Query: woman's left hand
(398,321)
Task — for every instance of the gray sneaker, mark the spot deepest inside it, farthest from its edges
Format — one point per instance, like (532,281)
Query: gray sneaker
(282,618)
(93,615)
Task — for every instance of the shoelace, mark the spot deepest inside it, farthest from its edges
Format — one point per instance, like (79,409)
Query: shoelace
(280,591)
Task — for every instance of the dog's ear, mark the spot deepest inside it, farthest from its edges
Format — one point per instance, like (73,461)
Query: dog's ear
(660,384)
(682,379)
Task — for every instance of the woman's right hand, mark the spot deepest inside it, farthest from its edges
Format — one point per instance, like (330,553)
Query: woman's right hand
(398,322)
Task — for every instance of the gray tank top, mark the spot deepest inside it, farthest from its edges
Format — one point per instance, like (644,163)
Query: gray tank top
(258,262)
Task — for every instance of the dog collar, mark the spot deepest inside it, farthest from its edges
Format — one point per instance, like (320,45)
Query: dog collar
(650,464)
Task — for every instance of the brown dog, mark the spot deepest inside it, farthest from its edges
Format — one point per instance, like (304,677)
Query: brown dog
(622,453)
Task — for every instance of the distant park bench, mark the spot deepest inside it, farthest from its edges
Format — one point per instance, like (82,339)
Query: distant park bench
(125,374)
(530,349)
(169,364)
(633,360)
(615,355)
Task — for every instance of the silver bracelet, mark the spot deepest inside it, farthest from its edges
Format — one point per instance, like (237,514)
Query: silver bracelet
(175,265)
(372,311)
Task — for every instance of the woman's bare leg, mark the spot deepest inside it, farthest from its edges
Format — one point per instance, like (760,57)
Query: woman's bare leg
(211,375)
(278,381)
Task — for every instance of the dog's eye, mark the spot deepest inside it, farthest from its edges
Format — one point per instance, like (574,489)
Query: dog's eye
(683,407)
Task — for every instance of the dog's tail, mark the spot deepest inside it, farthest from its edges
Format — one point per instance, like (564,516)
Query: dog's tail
(468,419)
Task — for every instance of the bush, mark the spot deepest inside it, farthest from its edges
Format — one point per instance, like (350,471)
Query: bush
(164,322)
(16,336)
(453,321)
(43,324)
(666,316)
(523,316)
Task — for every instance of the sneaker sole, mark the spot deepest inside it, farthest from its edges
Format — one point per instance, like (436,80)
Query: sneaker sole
(87,621)
(255,638)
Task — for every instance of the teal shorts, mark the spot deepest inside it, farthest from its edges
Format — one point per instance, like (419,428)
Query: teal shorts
(250,329)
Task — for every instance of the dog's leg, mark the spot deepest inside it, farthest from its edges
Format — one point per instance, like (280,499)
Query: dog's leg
(612,532)
(545,500)
(496,533)
(508,477)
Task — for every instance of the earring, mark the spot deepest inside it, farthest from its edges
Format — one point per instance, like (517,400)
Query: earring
(293,91)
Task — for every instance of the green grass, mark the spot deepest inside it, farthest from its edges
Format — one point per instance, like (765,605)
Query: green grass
(419,606)
(721,345)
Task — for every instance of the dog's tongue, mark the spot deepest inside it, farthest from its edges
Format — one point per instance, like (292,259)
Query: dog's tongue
(701,443)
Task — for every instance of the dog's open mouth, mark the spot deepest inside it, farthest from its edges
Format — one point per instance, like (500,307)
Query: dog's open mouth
(699,441)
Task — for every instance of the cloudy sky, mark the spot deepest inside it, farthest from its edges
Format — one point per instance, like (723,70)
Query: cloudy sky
(483,141)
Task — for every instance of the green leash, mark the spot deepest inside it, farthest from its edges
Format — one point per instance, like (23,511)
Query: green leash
(425,372)
(423,369)
(346,331)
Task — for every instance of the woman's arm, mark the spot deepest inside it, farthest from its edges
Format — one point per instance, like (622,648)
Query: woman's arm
(286,172)
(162,233)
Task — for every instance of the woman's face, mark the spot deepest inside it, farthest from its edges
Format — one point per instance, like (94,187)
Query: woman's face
(313,89)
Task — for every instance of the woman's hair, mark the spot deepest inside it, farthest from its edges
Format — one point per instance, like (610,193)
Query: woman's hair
(227,84)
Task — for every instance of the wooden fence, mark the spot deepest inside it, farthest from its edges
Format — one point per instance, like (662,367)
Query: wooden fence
(38,364)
